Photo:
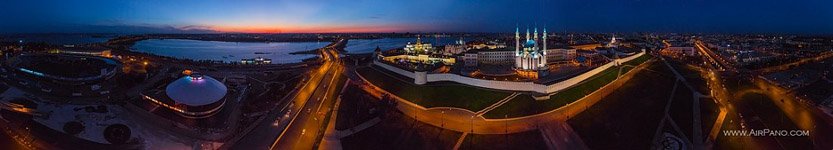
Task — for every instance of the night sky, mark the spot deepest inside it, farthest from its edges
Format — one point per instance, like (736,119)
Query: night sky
(284,16)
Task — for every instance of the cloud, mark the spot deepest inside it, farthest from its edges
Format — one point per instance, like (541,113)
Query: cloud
(120,29)
(196,28)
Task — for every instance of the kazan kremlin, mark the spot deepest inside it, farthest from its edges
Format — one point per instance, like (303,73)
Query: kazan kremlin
(530,67)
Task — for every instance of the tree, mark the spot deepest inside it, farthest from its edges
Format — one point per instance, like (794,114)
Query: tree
(117,133)
(73,127)
(386,105)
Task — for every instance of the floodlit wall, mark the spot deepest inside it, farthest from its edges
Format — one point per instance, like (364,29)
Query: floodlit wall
(577,79)
(394,69)
(420,77)
(492,84)
(420,58)
(423,77)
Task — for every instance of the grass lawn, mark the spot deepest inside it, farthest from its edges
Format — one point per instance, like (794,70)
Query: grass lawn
(355,108)
(692,76)
(629,117)
(681,111)
(440,94)
(708,114)
(340,80)
(523,140)
(639,60)
(525,105)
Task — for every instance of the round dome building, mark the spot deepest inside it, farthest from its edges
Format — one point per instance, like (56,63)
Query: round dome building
(193,95)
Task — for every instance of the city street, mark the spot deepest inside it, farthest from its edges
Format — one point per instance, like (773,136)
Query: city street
(287,119)
(307,125)
(803,116)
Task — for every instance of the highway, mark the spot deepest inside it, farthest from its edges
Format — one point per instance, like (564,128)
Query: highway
(308,122)
(282,127)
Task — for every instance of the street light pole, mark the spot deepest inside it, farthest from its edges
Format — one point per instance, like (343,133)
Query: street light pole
(506,128)
(472,124)
(442,120)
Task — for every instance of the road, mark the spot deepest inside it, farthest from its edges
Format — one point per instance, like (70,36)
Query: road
(280,125)
(786,66)
(803,116)
(718,63)
(729,117)
(308,123)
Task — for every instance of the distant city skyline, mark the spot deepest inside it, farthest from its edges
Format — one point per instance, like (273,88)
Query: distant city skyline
(318,16)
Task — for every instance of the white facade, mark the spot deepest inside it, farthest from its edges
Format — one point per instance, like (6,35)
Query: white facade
(470,59)
(510,57)
(560,54)
(489,45)
(456,48)
(495,57)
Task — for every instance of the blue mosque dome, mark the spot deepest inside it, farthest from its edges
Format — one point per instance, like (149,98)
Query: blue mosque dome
(530,43)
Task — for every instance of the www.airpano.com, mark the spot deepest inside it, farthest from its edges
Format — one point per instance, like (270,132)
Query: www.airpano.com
(766,132)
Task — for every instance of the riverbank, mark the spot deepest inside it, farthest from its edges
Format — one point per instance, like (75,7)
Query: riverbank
(317,50)
(228,52)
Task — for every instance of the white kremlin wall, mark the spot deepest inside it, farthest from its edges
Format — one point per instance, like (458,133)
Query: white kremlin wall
(423,77)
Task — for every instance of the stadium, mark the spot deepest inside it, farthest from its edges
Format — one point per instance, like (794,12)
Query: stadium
(64,75)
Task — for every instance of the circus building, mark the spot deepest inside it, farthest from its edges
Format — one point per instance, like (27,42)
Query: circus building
(193,96)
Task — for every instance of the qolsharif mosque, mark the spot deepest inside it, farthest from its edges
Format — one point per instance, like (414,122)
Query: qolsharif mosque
(532,58)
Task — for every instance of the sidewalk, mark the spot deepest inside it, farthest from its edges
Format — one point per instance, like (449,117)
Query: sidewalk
(498,104)
(559,135)
(331,138)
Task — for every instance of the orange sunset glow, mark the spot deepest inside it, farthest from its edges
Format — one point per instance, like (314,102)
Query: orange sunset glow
(316,29)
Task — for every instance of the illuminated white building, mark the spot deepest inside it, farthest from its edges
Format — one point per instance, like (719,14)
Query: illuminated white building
(419,47)
(192,96)
(419,52)
(531,57)
(490,45)
(458,47)
(256,61)
(613,42)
